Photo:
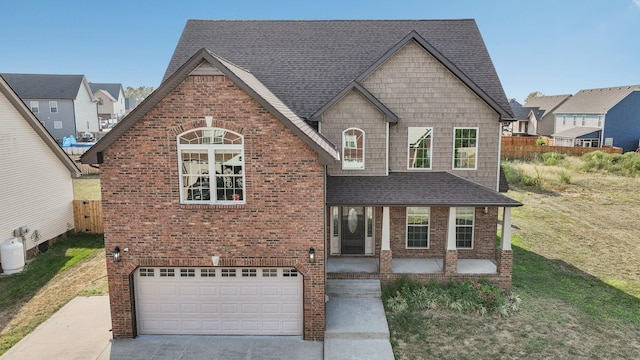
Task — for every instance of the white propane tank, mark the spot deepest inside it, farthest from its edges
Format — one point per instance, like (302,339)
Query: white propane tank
(12,256)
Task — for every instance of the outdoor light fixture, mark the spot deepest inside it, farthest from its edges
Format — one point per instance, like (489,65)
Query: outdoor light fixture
(116,254)
(312,255)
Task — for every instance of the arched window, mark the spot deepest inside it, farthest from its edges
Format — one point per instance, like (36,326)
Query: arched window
(353,149)
(211,166)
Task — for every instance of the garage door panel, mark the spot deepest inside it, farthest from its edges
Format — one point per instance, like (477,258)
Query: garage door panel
(219,301)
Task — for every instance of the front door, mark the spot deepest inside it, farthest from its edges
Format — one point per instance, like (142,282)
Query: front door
(352,230)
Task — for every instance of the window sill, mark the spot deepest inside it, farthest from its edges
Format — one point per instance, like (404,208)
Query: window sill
(212,206)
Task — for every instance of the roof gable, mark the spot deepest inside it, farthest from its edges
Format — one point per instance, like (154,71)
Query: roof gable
(31,119)
(355,86)
(306,63)
(45,86)
(114,89)
(245,80)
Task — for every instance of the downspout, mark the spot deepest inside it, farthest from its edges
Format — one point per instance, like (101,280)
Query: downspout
(499,154)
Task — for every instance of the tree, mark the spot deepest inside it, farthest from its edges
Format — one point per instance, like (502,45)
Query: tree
(533,95)
(139,93)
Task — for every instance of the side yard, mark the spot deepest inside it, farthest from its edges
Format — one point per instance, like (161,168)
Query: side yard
(576,256)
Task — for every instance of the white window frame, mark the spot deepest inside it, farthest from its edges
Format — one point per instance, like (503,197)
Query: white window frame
(352,146)
(453,155)
(35,106)
(410,146)
(428,226)
(472,226)
(53,105)
(57,124)
(211,150)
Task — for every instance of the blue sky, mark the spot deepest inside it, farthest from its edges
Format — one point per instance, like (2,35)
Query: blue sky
(551,46)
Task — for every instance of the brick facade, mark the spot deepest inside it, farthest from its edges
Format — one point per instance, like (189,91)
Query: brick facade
(281,220)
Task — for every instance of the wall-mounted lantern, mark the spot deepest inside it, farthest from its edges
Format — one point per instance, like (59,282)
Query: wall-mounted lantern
(116,254)
(312,255)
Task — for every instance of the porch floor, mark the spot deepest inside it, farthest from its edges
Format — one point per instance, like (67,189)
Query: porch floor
(369,265)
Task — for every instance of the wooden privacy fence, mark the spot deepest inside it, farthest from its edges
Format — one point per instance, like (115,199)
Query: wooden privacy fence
(525,148)
(87,216)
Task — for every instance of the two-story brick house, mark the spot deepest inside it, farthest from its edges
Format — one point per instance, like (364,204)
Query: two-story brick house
(278,154)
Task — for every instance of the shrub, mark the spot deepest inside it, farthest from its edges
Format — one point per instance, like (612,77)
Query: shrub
(552,158)
(513,175)
(565,177)
(479,297)
(541,141)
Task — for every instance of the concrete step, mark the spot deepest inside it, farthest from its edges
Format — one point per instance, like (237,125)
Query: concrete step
(356,318)
(353,288)
(340,349)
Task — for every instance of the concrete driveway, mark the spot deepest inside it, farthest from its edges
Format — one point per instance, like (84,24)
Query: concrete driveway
(81,331)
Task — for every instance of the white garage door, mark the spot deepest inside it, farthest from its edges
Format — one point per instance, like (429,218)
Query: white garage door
(219,301)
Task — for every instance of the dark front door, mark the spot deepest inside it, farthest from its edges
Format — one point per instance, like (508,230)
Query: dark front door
(352,230)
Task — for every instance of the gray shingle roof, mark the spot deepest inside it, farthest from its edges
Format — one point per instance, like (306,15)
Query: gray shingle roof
(412,188)
(546,104)
(45,86)
(112,88)
(576,132)
(306,63)
(595,101)
(519,112)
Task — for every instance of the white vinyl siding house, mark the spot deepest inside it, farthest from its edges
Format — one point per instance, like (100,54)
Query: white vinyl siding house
(36,179)
(86,110)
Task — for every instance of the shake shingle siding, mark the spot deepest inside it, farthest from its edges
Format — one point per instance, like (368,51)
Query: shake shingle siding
(306,63)
(423,93)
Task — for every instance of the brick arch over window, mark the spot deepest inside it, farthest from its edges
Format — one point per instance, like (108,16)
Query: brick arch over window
(201,123)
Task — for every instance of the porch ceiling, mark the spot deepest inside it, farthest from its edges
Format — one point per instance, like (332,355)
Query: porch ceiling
(437,188)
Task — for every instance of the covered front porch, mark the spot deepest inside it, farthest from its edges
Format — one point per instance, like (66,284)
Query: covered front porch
(435,226)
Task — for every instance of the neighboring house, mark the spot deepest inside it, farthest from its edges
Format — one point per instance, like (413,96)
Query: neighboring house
(36,179)
(111,100)
(521,126)
(130,103)
(64,104)
(540,118)
(597,117)
(278,154)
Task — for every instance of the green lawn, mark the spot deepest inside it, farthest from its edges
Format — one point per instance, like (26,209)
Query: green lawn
(71,267)
(576,256)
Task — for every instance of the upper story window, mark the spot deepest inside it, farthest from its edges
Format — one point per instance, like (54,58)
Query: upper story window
(53,107)
(419,148)
(211,166)
(35,107)
(353,149)
(464,227)
(417,227)
(465,148)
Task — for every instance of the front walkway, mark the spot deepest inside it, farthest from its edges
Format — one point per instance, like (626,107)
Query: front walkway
(356,325)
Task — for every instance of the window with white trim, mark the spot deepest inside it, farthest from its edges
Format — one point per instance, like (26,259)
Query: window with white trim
(418,227)
(53,107)
(35,106)
(465,148)
(211,166)
(419,148)
(464,228)
(353,149)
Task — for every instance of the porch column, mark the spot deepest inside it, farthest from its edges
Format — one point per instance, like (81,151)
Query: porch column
(451,255)
(505,262)
(385,246)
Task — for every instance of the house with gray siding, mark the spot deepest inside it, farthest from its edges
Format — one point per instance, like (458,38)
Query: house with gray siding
(111,100)
(36,179)
(279,155)
(64,104)
(539,118)
(600,117)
